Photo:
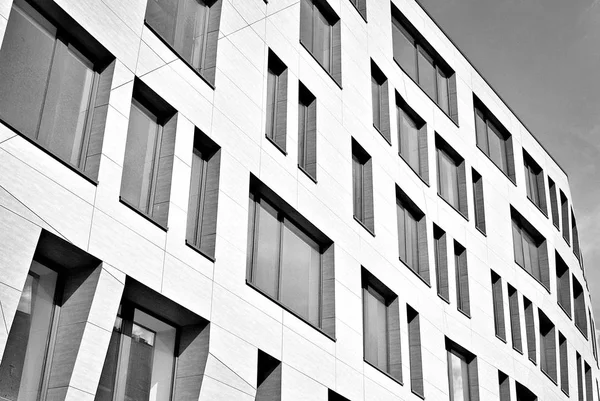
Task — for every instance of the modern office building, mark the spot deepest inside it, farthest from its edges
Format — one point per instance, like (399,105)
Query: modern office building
(284,200)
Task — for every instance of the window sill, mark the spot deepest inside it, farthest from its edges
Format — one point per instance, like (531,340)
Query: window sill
(384,372)
(467,314)
(313,179)
(556,226)
(520,351)
(565,392)
(452,206)
(321,65)
(364,226)
(413,170)
(494,163)
(538,207)
(201,252)
(382,135)
(549,377)
(282,306)
(49,153)
(533,360)
(415,272)
(358,11)
(584,334)
(481,231)
(534,277)
(501,339)
(565,311)
(206,81)
(443,298)
(421,396)
(144,215)
(427,94)
(279,148)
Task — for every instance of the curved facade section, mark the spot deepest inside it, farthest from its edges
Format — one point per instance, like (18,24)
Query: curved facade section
(283,200)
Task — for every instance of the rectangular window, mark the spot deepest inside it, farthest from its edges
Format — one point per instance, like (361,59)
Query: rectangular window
(452,185)
(524,394)
(423,64)
(22,371)
(530,249)
(412,235)
(580,309)
(579,377)
(553,203)
(463,302)
(504,386)
(204,194)
(530,330)
(276,124)
(54,91)
(380,100)
(462,373)
(268,377)
(362,186)
(412,139)
(290,260)
(547,347)
(149,153)
(320,35)
(191,28)
(498,305)
(563,284)
(575,232)
(381,325)
(441,263)
(589,386)
(534,182)
(493,139)
(307,132)
(564,363)
(564,211)
(414,346)
(478,201)
(593,334)
(515,318)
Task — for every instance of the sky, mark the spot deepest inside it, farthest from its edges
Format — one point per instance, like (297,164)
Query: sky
(543,58)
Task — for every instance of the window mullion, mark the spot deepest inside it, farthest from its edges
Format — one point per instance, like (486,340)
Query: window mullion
(88,122)
(154,174)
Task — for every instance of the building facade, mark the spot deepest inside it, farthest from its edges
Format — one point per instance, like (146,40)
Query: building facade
(282,200)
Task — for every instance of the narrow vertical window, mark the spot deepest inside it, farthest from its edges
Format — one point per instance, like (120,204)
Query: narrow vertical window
(50,85)
(463,302)
(575,234)
(553,203)
(564,212)
(462,373)
(204,193)
(530,330)
(478,201)
(412,236)
(320,35)
(381,326)
(412,139)
(564,363)
(380,101)
(530,249)
(276,119)
(589,386)
(563,284)
(441,263)
(149,153)
(498,305)
(547,347)
(414,346)
(268,378)
(452,185)
(493,139)
(362,186)
(580,390)
(191,28)
(593,335)
(307,132)
(534,182)
(580,309)
(515,318)
(524,394)
(361,6)
(504,386)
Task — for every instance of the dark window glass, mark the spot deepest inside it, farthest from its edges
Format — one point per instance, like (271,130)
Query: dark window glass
(414,345)
(358,187)
(564,211)
(427,73)
(498,305)
(579,304)
(22,368)
(563,284)
(376,96)
(404,48)
(462,279)
(376,328)
(272,89)
(493,139)
(478,201)
(307,132)
(441,263)
(553,203)
(408,131)
(575,232)
(529,250)
(589,387)
(408,236)
(534,182)
(48,85)
(564,363)
(515,319)
(524,394)
(504,386)
(317,33)
(580,390)
(443,90)
(286,262)
(448,178)
(362,186)
(530,330)
(547,347)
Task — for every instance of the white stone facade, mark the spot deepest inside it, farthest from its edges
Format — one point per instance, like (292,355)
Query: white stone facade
(37,193)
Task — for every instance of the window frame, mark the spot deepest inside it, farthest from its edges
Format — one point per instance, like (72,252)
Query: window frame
(526,232)
(458,165)
(471,373)
(535,187)
(463,297)
(307,132)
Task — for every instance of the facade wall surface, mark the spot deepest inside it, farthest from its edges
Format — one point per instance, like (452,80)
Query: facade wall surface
(39,194)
